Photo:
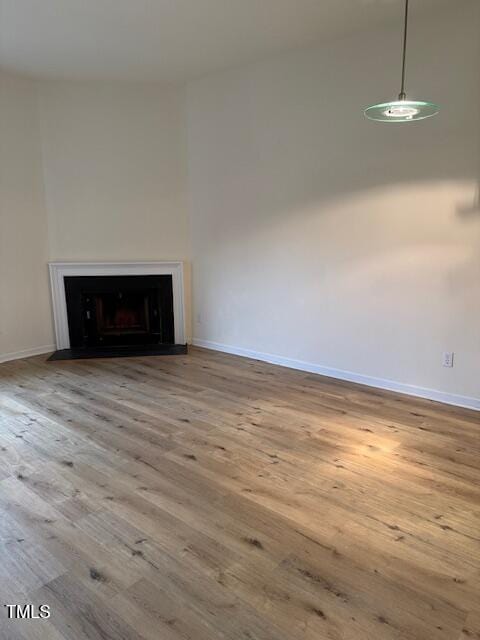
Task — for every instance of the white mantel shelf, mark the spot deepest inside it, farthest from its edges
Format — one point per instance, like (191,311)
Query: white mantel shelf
(59,270)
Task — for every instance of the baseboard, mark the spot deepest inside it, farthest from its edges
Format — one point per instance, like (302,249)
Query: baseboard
(27,353)
(370,381)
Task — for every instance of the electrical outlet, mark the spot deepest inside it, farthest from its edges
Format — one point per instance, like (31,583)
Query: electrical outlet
(199,318)
(448,359)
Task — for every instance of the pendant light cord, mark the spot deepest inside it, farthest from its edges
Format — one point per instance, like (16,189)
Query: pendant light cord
(403,94)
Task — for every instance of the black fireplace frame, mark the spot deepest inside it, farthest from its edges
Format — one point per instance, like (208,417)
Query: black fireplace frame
(84,292)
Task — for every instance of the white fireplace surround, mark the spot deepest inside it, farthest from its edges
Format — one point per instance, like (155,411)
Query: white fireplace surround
(59,270)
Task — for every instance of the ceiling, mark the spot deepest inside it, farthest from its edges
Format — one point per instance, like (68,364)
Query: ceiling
(173,40)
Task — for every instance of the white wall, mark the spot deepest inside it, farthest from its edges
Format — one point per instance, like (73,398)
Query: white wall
(325,238)
(25,322)
(89,172)
(115,171)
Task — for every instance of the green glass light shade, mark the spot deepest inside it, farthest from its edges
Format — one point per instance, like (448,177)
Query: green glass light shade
(401,111)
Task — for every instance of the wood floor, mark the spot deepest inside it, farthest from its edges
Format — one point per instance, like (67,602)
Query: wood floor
(208,496)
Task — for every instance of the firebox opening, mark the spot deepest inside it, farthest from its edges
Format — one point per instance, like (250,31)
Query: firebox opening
(120,311)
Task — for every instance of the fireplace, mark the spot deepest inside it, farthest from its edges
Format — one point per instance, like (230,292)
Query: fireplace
(115,314)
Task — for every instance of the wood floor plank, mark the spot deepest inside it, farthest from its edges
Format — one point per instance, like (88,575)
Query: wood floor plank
(209,496)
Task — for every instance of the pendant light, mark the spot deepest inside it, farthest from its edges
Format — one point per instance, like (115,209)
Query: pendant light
(402,110)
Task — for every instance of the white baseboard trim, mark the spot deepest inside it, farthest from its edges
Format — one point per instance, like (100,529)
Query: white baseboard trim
(27,353)
(370,381)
